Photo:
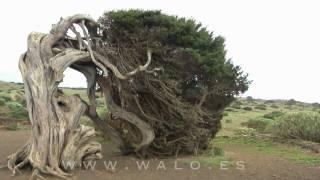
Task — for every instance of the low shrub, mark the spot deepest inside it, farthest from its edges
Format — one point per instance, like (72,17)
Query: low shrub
(301,125)
(2,102)
(273,115)
(13,105)
(225,114)
(274,106)
(245,132)
(217,151)
(19,98)
(5,96)
(261,107)
(247,108)
(102,112)
(259,123)
(291,102)
(228,120)
(17,111)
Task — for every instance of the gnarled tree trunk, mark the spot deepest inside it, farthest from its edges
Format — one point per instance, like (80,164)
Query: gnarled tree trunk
(57,137)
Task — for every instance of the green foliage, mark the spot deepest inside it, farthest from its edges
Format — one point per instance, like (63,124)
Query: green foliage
(217,151)
(291,102)
(228,120)
(86,121)
(19,98)
(2,101)
(225,114)
(17,111)
(302,125)
(274,106)
(273,115)
(259,123)
(245,132)
(5,96)
(153,29)
(247,108)
(102,112)
(195,63)
(261,107)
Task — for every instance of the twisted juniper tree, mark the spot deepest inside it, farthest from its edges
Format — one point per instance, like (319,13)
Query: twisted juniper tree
(165,81)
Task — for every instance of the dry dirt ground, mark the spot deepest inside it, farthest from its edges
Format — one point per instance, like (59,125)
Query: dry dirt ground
(256,166)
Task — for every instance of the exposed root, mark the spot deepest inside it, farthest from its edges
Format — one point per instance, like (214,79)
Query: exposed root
(36,174)
(20,165)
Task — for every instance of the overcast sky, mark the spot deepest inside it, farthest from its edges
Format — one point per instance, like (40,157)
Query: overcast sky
(276,42)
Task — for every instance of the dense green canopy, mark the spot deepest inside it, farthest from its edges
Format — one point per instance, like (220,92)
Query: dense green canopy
(183,102)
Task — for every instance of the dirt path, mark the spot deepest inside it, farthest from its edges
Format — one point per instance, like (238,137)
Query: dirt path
(257,166)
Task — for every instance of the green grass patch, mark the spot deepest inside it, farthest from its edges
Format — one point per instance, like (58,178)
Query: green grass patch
(266,146)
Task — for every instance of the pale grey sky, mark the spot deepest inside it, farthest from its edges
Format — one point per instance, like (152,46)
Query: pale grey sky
(276,41)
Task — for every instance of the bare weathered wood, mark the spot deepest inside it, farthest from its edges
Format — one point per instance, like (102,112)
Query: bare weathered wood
(57,137)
